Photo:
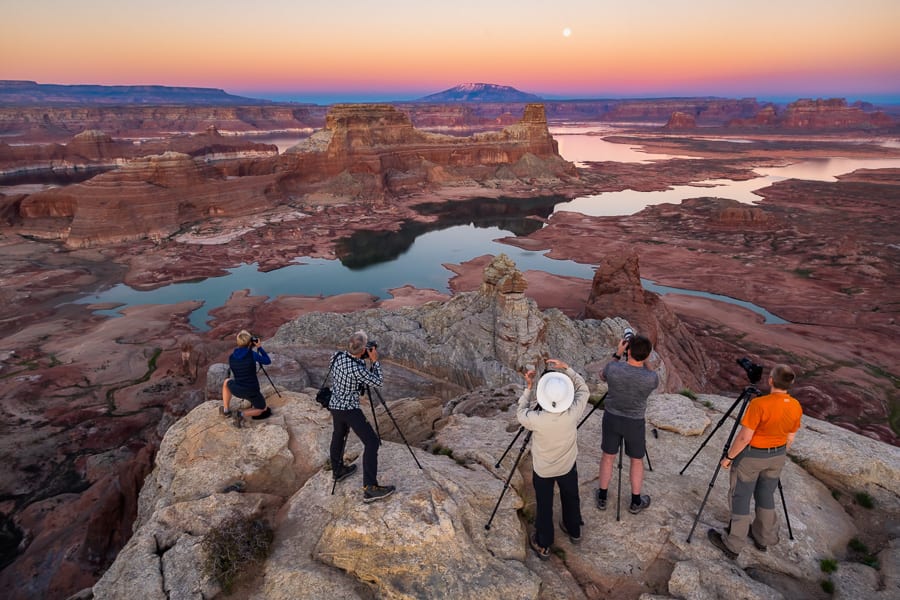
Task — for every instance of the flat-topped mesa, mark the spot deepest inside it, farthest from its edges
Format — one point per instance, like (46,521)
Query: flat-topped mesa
(370,152)
(827,114)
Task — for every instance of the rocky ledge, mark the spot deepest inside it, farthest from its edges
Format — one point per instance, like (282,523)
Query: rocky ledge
(429,540)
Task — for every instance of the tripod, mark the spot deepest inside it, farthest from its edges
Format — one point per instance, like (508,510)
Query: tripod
(266,373)
(749,392)
(393,420)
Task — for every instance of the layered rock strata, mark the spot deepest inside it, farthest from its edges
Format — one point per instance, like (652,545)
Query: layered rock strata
(366,153)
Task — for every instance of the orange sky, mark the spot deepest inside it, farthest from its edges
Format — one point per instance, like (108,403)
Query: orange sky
(401,49)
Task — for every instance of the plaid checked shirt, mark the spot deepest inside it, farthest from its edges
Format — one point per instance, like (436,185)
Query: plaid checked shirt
(346,375)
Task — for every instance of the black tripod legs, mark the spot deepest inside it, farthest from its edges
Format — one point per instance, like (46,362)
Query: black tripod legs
(787,518)
(619,490)
(508,479)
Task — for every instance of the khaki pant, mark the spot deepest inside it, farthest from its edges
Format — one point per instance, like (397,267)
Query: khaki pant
(754,474)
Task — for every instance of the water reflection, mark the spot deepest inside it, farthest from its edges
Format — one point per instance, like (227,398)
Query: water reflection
(365,248)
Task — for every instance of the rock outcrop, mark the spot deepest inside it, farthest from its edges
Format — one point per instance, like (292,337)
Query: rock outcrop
(452,529)
(366,153)
(680,120)
(617,290)
(475,339)
(816,115)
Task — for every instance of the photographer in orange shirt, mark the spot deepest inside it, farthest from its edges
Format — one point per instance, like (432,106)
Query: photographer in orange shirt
(758,455)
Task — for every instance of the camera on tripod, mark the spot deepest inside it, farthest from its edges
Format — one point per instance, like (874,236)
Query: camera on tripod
(369,346)
(628,334)
(754,371)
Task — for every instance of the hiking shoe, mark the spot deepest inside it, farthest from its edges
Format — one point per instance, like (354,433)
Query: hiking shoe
(223,412)
(716,538)
(371,493)
(263,415)
(601,502)
(542,553)
(237,417)
(759,546)
(636,508)
(574,539)
(343,472)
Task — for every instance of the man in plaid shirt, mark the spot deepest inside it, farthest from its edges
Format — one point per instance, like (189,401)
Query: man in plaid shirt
(350,377)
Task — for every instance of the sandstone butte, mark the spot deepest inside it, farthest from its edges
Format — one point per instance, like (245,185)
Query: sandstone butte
(73,496)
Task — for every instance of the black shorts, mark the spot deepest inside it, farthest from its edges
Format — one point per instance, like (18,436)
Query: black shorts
(616,428)
(252,395)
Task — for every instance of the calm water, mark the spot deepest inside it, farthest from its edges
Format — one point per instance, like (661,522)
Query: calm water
(375,262)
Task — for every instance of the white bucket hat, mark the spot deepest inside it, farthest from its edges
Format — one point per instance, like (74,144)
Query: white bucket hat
(555,392)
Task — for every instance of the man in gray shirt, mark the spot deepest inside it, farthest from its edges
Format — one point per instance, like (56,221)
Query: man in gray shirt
(630,383)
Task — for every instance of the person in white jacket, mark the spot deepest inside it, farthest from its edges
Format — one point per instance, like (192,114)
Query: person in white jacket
(563,396)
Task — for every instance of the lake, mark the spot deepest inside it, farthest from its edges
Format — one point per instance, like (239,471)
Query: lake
(375,262)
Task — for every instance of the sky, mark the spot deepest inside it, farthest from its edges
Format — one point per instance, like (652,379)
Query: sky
(357,50)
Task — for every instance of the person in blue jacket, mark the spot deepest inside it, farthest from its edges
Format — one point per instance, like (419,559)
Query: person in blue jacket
(244,383)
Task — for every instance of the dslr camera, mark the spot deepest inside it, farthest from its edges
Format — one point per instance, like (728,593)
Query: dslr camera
(754,371)
(369,347)
(628,334)
(254,341)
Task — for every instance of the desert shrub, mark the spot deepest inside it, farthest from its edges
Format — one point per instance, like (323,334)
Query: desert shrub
(237,544)
(828,565)
(865,500)
(688,393)
(827,586)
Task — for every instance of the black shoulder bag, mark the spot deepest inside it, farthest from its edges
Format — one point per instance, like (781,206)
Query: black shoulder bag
(323,396)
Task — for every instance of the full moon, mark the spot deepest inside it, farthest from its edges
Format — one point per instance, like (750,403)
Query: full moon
(567,32)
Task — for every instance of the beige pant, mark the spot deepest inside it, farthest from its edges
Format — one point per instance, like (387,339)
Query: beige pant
(754,474)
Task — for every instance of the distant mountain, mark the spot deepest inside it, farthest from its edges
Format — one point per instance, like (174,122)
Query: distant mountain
(17,93)
(481,92)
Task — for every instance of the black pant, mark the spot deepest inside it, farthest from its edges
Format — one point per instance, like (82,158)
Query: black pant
(568,497)
(344,421)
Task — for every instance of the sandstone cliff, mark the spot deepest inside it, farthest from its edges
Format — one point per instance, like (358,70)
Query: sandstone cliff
(816,115)
(430,539)
(366,153)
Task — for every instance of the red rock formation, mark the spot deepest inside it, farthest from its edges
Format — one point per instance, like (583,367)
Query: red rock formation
(366,153)
(617,292)
(151,197)
(817,115)
(680,120)
(54,123)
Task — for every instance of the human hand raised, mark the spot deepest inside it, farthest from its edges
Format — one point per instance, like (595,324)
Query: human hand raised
(556,364)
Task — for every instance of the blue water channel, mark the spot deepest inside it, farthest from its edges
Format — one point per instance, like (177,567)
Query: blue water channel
(380,261)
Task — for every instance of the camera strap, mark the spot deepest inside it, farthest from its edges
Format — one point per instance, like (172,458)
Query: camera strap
(330,367)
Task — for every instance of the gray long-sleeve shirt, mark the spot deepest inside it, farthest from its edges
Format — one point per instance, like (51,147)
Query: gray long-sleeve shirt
(554,444)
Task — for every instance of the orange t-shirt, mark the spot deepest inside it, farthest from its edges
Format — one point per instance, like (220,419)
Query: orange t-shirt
(772,417)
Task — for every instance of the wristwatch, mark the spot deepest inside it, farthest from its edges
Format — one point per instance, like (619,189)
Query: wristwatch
(616,356)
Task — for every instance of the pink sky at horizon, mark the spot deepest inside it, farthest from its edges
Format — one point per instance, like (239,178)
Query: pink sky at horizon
(407,49)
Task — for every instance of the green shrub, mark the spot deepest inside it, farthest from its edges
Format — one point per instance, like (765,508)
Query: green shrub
(827,586)
(857,546)
(870,561)
(828,565)
(688,393)
(864,500)
(237,544)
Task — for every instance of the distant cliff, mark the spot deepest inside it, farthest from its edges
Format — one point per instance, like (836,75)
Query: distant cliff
(816,115)
(27,93)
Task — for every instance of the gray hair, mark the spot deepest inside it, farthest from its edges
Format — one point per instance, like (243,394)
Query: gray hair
(357,342)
